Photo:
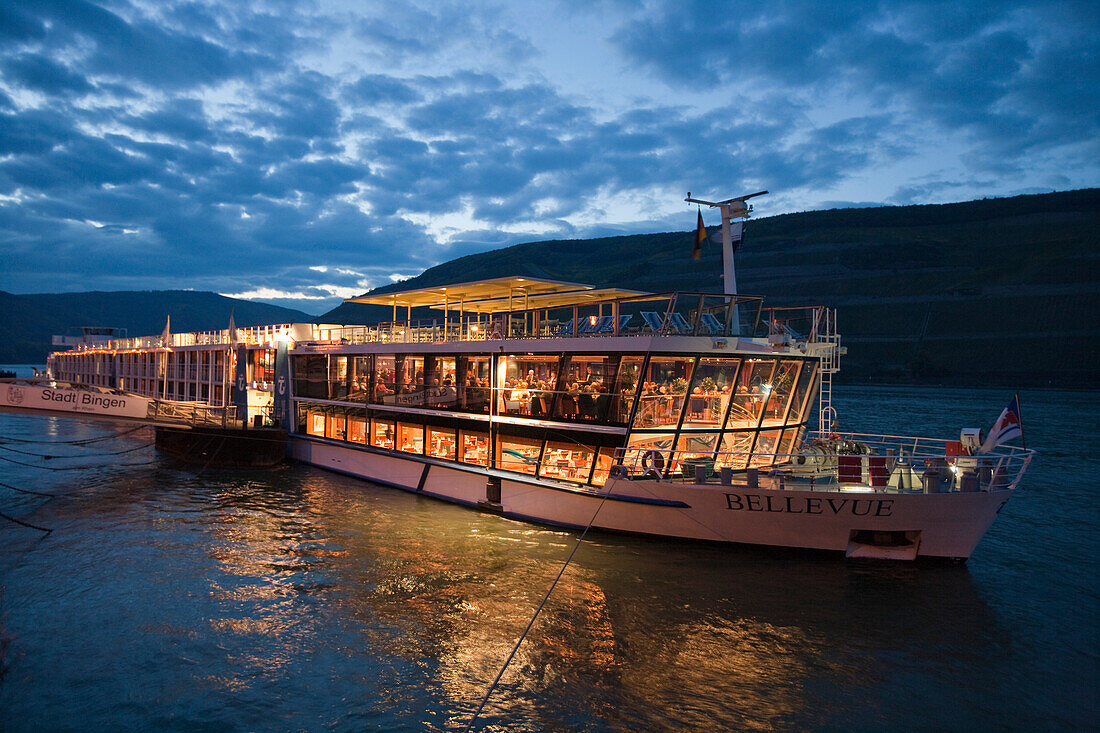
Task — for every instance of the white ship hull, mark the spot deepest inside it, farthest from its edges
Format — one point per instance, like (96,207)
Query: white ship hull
(859,524)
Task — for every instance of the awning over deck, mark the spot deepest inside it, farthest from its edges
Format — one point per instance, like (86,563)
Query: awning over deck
(498,295)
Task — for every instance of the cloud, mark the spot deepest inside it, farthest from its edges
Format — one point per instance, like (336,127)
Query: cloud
(300,152)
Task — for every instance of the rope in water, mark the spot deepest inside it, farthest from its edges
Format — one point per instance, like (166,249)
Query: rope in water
(531,623)
(25,524)
(93,455)
(77,441)
(73,468)
(26,491)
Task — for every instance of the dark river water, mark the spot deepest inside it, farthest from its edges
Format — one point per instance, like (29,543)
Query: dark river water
(294,599)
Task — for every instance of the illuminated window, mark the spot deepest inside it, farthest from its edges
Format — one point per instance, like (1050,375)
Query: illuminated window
(441,443)
(567,461)
(410,437)
(474,448)
(357,429)
(518,454)
(336,427)
(382,432)
(604,460)
(315,424)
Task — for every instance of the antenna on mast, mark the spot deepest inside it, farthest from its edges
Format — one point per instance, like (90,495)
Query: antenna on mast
(734,212)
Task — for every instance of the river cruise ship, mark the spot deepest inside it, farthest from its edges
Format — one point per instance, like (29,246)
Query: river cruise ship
(683,415)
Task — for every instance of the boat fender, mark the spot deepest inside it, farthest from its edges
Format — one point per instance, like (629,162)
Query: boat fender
(653,462)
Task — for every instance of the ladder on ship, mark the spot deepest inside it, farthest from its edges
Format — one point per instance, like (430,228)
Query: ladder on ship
(830,365)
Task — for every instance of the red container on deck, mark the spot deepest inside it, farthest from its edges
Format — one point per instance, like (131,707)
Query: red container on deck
(955,448)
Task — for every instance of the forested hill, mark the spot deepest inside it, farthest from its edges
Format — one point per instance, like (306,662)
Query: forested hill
(30,320)
(996,291)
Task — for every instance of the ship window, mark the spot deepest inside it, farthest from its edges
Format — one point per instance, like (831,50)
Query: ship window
(472,373)
(359,371)
(475,448)
(711,389)
(357,429)
(527,384)
(337,377)
(439,382)
(381,434)
(764,452)
(604,459)
(778,392)
(788,444)
(799,405)
(646,450)
(410,378)
(626,386)
(663,391)
(336,427)
(586,388)
(567,461)
(696,445)
(315,424)
(518,454)
(441,443)
(410,437)
(753,390)
(735,449)
(385,379)
(309,376)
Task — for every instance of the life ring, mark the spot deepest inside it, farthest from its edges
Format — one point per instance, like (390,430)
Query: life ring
(653,462)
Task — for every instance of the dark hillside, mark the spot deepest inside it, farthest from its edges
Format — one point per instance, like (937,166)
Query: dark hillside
(30,320)
(991,291)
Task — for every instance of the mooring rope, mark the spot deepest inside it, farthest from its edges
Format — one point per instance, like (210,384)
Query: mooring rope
(531,623)
(76,441)
(93,455)
(26,491)
(25,524)
(74,468)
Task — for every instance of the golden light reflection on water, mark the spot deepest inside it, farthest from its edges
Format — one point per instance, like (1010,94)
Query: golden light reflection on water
(438,596)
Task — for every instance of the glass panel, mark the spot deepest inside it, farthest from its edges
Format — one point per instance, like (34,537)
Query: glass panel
(604,459)
(764,452)
(567,461)
(585,392)
(381,435)
(410,437)
(749,397)
(337,377)
(410,380)
(711,389)
(626,386)
(440,382)
(787,445)
(473,379)
(735,449)
(359,377)
(778,392)
(663,391)
(799,405)
(385,379)
(441,443)
(357,429)
(475,448)
(315,424)
(693,447)
(518,454)
(310,377)
(336,427)
(641,445)
(527,383)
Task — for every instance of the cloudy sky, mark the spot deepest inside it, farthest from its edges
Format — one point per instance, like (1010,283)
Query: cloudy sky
(301,152)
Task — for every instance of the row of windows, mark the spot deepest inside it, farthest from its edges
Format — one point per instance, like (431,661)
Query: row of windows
(723,393)
(557,459)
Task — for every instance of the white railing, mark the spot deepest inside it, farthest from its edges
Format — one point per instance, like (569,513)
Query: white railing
(850,462)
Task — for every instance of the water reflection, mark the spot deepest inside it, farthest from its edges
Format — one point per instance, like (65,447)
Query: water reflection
(298,599)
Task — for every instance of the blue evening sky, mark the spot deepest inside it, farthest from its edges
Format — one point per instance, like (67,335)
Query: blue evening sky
(301,152)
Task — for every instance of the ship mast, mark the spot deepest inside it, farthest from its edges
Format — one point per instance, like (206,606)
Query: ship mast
(734,212)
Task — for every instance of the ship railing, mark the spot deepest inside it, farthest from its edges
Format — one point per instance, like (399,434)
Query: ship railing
(660,314)
(845,462)
(191,413)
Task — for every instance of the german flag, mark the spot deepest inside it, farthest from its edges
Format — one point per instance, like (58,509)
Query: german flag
(700,237)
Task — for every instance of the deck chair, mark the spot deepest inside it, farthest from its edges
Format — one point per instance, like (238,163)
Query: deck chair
(623,321)
(605,325)
(680,324)
(711,323)
(653,320)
